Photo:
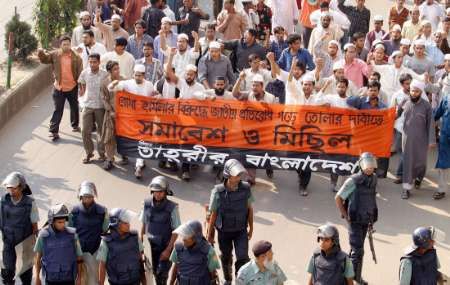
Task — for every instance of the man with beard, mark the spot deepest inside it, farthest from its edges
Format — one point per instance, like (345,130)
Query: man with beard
(86,24)
(331,55)
(138,86)
(153,67)
(89,46)
(213,65)
(189,89)
(219,91)
(160,217)
(184,55)
(110,32)
(393,44)
(416,130)
(325,32)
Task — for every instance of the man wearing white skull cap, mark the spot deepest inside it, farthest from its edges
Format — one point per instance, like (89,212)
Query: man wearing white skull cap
(416,129)
(138,86)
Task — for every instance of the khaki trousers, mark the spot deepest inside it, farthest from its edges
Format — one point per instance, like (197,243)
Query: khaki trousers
(89,116)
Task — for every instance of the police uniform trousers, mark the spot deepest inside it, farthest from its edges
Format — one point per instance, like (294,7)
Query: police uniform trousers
(227,240)
(357,234)
(160,268)
(9,264)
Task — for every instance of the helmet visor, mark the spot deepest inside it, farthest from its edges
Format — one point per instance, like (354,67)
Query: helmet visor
(437,235)
(368,162)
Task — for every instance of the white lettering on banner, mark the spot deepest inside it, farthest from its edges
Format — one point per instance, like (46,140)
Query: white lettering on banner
(200,154)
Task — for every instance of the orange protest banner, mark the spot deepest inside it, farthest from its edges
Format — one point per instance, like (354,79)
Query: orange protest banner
(254,126)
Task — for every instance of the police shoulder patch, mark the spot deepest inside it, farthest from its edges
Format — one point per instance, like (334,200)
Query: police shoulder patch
(71,230)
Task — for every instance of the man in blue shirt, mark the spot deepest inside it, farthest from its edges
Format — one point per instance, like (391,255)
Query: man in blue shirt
(294,49)
(370,100)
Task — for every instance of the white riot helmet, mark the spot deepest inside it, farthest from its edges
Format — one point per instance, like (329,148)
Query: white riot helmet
(17,179)
(57,211)
(120,215)
(190,229)
(159,184)
(233,168)
(87,188)
(367,160)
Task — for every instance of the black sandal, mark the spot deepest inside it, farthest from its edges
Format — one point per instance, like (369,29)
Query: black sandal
(438,195)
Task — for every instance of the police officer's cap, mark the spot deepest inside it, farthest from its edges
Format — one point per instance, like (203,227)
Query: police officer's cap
(261,247)
(159,184)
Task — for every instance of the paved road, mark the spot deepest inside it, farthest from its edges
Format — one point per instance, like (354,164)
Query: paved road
(282,216)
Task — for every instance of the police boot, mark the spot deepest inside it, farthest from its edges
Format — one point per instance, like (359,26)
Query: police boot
(227,269)
(161,279)
(7,277)
(358,273)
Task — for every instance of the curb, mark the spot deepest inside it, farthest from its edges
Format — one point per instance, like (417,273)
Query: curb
(15,99)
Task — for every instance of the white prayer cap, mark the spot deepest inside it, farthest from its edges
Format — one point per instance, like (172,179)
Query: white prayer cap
(338,65)
(333,42)
(424,23)
(379,46)
(214,44)
(419,42)
(116,17)
(448,10)
(182,36)
(405,42)
(258,78)
(378,18)
(416,84)
(139,68)
(309,77)
(397,28)
(349,45)
(396,53)
(325,14)
(84,13)
(191,67)
(166,20)
(375,42)
(447,56)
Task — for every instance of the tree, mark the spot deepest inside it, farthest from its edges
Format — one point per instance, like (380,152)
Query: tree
(24,42)
(54,17)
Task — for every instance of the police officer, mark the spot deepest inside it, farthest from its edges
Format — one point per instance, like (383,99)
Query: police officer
(195,261)
(329,264)
(121,252)
(420,263)
(231,212)
(19,217)
(160,217)
(356,200)
(58,250)
(91,221)
(263,270)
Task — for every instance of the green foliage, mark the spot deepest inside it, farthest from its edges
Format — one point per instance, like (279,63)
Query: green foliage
(55,17)
(24,42)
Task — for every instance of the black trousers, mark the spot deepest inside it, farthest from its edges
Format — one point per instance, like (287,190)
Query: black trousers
(226,241)
(357,235)
(59,99)
(160,268)
(9,261)
(304,176)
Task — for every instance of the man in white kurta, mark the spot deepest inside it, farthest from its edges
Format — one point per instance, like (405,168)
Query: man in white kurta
(285,14)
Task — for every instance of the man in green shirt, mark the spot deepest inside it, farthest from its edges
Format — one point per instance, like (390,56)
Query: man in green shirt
(195,260)
(420,263)
(329,264)
(121,253)
(263,270)
(58,250)
(231,213)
